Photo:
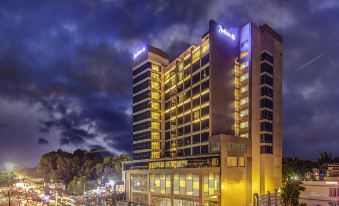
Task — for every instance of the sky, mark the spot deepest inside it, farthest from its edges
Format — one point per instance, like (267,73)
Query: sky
(66,77)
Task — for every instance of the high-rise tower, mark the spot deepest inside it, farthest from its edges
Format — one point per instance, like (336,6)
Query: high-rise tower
(207,126)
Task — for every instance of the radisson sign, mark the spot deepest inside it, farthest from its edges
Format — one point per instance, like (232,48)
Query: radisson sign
(226,32)
(136,54)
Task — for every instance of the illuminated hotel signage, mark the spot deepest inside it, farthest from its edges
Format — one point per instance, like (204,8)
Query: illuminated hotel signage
(136,54)
(226,33)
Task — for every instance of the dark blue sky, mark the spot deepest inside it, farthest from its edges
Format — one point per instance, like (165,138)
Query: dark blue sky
(65,70)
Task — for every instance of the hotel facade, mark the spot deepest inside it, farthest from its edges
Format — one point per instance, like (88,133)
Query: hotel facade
(207,125)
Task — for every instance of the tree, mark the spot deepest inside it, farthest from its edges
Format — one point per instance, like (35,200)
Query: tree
(6,178)
(295,167)
(78,185)
(325,157)
(290,192)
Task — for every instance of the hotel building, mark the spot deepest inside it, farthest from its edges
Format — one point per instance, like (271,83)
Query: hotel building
(207,125)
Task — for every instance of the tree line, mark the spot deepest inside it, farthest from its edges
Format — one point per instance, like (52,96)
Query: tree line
(77,168)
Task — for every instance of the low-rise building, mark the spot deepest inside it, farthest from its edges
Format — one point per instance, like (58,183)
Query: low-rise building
(320,193)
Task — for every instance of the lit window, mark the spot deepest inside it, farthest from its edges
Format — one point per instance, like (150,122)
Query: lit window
(244,65)
(155,125)
(244,77)
(196,114)
(155,75)
(244,101)
(155,145)
(155,85)
(241,161)
(156,67)
(232,161)
(243,113)
(155,105)
(155,95)
(156,155)
(244,125)
(244,135)
(155,135)
(205,47)
(155,115)
(180,76)
(244,54)
(167,76)
(196,55)
(244,89)
(181,66)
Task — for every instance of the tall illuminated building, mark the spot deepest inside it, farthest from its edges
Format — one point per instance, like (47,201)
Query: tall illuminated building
(207,126)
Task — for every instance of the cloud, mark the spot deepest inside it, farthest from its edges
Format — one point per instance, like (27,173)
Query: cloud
(65,68)
(42,141)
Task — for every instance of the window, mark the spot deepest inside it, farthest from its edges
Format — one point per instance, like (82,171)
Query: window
(241,161)
(155,125)
(265,114)
(195,66)
(196,138)
(196,150)
(155,85)
(156,67)
(244,101)
(244,65)
(155,115)
(205,85)
(155,145)
(244,89)
(266,91)
(266,103)
(196,55)
(265,79)
(245,135)
(266,56)
(243,125)
(155,135)
(266,149)
(204,149)
(244,54)
(155,105)
(155,95)
(244,77)
(332,192)
(196,78)
(205,47)
(142,68)
(204,137)
(266,68)
(204,60)
(266,138)
(243,113)
(232,161)
(266,126)
(155,155)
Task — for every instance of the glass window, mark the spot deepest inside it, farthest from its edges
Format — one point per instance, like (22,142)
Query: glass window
(266,56)
(232,161)
(244,77)
(244,89)
(243,124)
(156,67)
(196,55)
(244,101)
